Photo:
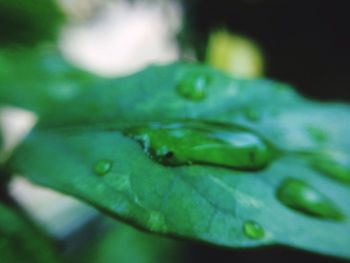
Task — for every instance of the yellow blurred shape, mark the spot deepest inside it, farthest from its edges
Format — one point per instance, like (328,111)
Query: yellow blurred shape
(235,55)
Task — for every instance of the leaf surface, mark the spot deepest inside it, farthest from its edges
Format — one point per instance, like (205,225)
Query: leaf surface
(85,149)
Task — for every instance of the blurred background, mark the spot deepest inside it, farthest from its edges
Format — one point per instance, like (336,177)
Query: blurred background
(305,43)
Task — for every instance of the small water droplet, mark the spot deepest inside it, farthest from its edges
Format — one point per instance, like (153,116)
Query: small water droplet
(203,143)
(281,86)
(317,134)
(253,230)
(156,222)
(193,86)
(274,112)
(252,114)
(102,167)
(303,198)
(333,169)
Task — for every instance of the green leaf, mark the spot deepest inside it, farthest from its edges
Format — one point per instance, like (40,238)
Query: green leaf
(144,150)
(21,241)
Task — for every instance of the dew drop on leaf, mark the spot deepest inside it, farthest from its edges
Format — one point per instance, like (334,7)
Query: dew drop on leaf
(156,222)
(281,86)
(203,143)
(102,167)
(253,230)
(193,86)
(252,114)
(333,169)
(317,134)
(300,196)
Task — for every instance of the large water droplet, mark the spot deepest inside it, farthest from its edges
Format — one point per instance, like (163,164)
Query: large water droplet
(203,143)
(102,167)
(253,230)
(333,169)
(303,198)
(193,86)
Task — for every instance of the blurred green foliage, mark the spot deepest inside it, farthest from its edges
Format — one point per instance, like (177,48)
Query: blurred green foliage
(37,79)
(24,22)
(21,241)
(121,243)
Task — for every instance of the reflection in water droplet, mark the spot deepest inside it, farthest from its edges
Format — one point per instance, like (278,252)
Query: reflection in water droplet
(102,167)
(317,134)
(203,143)
(333,169)
(303,198)
(253,230)
(193,86)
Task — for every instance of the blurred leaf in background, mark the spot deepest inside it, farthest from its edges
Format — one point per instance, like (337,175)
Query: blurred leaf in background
(119,242)
(22,241)
(39,78)
(1,143)
(26,23)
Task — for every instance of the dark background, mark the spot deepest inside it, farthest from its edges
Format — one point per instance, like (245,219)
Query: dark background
(273,254)
(306,43)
